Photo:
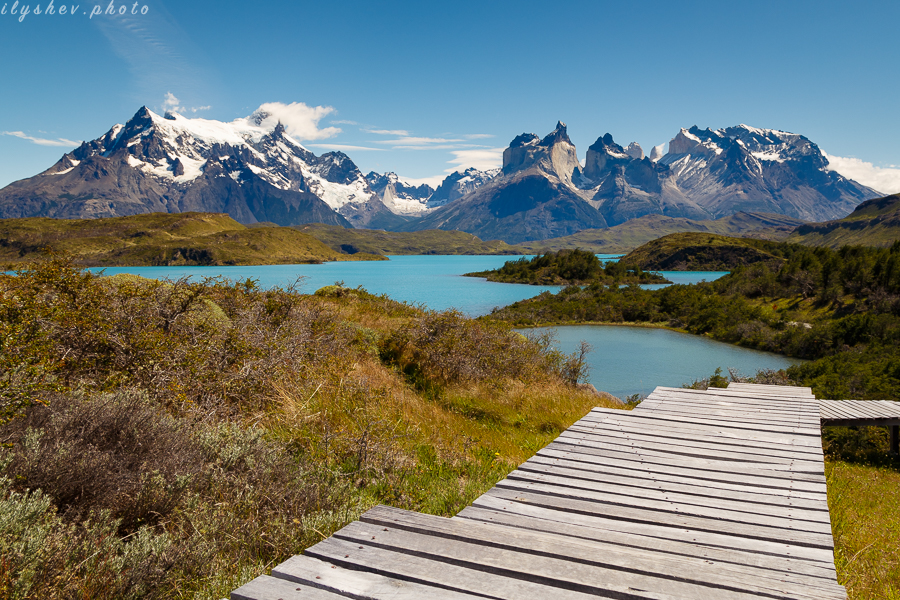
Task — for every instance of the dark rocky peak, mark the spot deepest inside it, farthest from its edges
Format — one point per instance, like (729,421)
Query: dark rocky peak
(557,135)
(140,122)
(525,139)
(336,167)
(170,116)
(605,143)
(528,149)
(602,156)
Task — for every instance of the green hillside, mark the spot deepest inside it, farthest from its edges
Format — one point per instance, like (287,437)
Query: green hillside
(568,267)
(162,239)
(631,234)
(701,252)
(874,223)
(429,241)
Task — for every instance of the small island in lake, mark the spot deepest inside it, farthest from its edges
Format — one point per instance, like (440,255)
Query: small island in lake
(568,267)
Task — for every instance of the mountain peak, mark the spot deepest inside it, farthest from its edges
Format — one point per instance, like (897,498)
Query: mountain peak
(557,135)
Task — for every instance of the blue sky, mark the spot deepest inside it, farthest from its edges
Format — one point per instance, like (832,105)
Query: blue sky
(421,88)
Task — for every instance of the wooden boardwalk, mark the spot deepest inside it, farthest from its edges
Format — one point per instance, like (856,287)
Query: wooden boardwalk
(882,413)
(692,495)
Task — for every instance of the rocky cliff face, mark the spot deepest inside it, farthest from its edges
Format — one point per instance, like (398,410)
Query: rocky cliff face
(458,184)
(401,197)
(542,191)
(533,196)
(174,164)
(744,168)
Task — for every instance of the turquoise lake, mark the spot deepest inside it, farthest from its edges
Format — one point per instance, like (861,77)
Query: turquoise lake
(634,360)
(625,360)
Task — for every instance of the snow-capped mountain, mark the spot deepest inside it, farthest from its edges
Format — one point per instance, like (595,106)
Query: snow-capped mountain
(458,184)
(401,197)
(542,190)
(533,196)
(252,171)
(744,168)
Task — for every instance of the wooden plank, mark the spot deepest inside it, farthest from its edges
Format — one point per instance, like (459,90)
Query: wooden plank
(271,588)
(842,410)
(713,435)
(647,477)
(668,519)
(819,557)
(466,575)
(738,412)
(693,494)
(346,583)
(681,437)
(787,395)
(640,436)
(803,408)
(603,531)
(867,409)
(745,415)
(671,504)
(814,473)
(701,471)
(687,569)
(709,454)
(566,566)
(804,436)
(811,432)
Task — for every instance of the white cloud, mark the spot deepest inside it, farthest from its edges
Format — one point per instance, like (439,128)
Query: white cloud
(300,121)
(883,179)
(345,147)
(478,136)
(491,158)
(401,132)
(342,122)
(173,104)
(420,143)
(41,141)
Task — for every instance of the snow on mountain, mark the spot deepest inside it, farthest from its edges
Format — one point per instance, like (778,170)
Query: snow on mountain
(634,150)
(458,184)
(174,163)
(400,196)
(744,168)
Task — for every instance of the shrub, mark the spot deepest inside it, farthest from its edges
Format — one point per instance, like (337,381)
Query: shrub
(114,452)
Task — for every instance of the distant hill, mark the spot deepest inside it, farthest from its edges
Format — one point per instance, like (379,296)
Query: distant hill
(636,232)
(873,223)
(568,267)
(700,252)
(162,239)
(431,241)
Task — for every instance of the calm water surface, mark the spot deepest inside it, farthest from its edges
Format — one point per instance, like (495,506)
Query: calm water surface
(625,360)
(435,281)
(634,360)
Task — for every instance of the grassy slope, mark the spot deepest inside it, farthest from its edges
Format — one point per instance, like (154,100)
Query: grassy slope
(297,412)
(873,223)
(865,520)
(631,234)
(698,252)
(432,241)
(162,239)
